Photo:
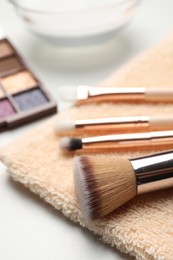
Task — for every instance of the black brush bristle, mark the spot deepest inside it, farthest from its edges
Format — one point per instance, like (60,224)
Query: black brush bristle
(75,144)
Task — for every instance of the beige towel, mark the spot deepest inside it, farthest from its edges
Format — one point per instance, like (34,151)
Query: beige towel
(143,227)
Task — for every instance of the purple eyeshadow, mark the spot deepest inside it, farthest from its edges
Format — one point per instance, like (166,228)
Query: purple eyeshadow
(30,99)
(6,109)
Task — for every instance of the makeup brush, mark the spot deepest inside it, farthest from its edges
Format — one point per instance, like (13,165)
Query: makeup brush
(115,124)
(116,142)
(105,183)
(87,94)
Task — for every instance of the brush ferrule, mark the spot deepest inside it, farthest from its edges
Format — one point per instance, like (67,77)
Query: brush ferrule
(84,92)
(113,121)
(99,91)
(148,136)
(153,172)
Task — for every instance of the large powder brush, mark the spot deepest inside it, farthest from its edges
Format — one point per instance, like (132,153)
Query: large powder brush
(105,183)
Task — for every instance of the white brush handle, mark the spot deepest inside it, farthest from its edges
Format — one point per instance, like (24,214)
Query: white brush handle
(161,122)
(159,94)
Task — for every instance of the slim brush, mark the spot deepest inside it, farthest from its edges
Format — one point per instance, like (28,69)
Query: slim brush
(115,124)
(104,184)
(87,94)
(116,142)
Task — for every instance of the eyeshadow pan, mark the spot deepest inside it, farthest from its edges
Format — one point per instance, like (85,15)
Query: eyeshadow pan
(9,64)
(1,93)
(23,97)
(5,49)
(18,82)
(6,109)
(30,99)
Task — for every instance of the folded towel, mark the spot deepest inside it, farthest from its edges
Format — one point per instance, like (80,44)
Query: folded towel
(144,226)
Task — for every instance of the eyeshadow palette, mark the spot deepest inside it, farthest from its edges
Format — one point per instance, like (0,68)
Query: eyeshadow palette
(22,96)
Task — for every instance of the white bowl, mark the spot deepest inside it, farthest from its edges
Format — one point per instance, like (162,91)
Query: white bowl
(75,21)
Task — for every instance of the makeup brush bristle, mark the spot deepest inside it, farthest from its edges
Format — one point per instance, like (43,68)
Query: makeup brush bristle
(103,184)
(64,125)
(70,144)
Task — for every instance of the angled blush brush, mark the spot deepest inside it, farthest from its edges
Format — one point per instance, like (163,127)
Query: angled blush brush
(104,184)
(110,125)
(86,94)
(119,142)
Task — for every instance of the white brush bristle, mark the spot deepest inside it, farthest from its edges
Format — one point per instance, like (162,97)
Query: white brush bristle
(64,125)
(68,93)
(103,184)
(65,143)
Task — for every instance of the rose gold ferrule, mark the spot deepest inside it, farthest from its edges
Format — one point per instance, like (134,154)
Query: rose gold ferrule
(114,124)
(129,137)
(118,142)
(85,93)
(153,172)
(112,120)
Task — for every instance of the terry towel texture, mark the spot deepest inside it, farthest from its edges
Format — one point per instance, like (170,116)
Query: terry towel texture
(144,226)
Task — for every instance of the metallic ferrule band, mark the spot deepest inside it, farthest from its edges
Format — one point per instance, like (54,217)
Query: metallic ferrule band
(146,136)
(84,91)
(113,121)
(153,172)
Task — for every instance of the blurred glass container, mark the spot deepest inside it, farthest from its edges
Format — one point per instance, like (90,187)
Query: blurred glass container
(75,22)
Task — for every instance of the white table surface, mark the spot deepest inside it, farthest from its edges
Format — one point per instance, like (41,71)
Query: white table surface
(30,228)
